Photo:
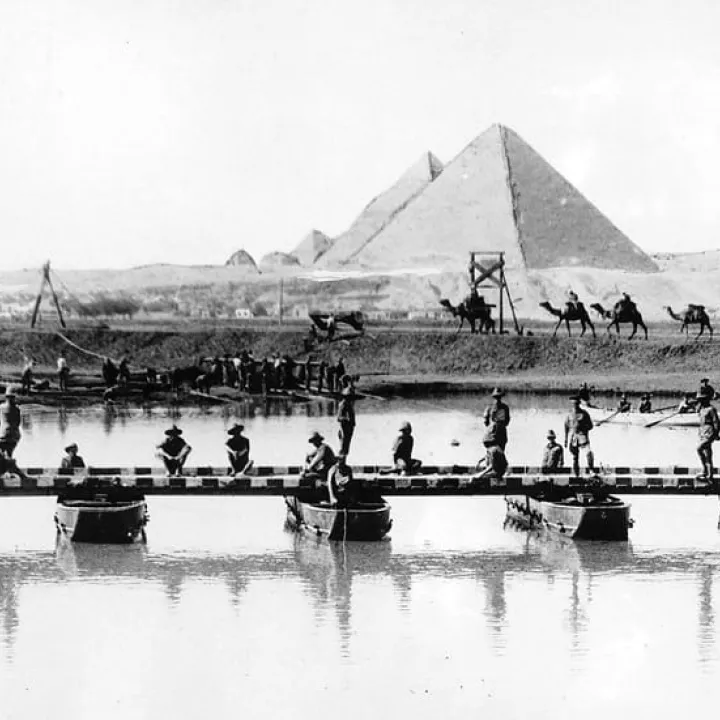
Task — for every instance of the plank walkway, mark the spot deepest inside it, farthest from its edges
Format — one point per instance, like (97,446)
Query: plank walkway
(286,480)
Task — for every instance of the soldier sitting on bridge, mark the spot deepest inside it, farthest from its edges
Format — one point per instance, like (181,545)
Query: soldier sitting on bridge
(494,465)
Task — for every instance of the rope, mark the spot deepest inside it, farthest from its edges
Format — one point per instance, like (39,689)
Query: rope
(82,350)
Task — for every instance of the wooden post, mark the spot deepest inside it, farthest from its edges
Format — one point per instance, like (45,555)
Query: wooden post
(280,304)
(500,294)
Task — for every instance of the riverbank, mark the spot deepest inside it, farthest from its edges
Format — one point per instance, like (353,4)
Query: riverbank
(405,363)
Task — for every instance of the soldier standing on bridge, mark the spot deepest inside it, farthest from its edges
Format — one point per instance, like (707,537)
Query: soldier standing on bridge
(497,417)
(708,432)
(577,431)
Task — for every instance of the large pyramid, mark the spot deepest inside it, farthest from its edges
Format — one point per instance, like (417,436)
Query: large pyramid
(311,247)
(497,194)
(381,210)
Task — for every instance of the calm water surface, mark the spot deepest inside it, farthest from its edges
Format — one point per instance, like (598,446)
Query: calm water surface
(279,432)
(225,614)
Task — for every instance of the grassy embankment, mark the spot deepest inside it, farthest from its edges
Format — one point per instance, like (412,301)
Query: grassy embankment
(400,362)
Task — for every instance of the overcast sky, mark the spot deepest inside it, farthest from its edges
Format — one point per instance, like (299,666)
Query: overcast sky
(145,131)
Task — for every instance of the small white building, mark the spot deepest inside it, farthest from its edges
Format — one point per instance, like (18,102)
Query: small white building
(243,313)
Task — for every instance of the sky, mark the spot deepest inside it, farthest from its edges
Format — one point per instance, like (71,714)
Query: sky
(148,131)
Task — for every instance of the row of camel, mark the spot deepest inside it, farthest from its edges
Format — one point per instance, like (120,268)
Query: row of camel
(479,318)
(626,314)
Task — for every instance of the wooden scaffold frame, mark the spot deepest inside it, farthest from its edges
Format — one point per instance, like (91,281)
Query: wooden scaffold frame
(488,266)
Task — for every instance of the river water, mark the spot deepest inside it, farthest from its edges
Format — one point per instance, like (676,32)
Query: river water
(225,614)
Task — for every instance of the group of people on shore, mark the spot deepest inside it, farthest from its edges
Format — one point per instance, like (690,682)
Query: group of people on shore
(241,371)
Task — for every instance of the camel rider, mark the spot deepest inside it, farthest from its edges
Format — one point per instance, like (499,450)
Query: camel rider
(572,300)
(497,416)
(625,303)
(577,435)
(708,433)
(624,405)
(645,403)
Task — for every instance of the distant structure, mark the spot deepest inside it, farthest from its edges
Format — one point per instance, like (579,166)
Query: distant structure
(242,258)
(311,247)
(498,194)
(278,260)
(381,211)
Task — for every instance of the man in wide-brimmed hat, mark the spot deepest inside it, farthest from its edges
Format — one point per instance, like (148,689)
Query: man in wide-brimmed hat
(553,456)
(577,435)
(708,432)
(174,451)
(497,417)
(71,460)
(318,461)
(238,449)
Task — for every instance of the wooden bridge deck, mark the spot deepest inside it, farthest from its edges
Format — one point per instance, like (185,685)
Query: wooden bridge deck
(284,480)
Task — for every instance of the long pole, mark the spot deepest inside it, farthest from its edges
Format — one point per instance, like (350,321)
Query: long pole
(280,304)
(500,294)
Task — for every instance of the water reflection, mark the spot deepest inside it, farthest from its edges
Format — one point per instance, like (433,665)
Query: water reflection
(329,569)
(448,430)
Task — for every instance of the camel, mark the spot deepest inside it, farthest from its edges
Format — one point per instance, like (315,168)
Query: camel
(575,313)
(622,312)
(692,315)
(472,310)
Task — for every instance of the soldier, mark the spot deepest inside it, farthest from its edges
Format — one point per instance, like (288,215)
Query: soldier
(343,489)
(494,464)
(553,456)
(708,433)
(402,450)
(706,387)
(174,451)
(63,371)
(27,374)
(10,419)
(624,405)
(346,418)
(577,435)
(318,461)
(238,450)
(645,403)
(71,460)
(497,416)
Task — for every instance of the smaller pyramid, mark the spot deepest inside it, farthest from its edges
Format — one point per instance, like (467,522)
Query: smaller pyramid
(380,211)
(275,260)
(311,247)
(243,259)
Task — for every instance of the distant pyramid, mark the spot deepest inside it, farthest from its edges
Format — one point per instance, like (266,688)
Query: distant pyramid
(311,247)
(498,194)
(242,258)
(275,260)
(382,209)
